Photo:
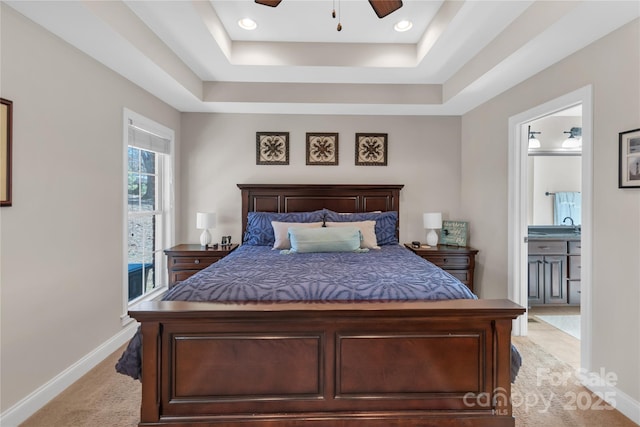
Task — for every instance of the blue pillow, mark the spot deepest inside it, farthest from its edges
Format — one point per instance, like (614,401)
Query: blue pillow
(386,223)
(259,230)
(324,239)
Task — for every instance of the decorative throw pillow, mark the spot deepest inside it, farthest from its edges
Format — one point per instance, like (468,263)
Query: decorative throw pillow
(386,223)
(281,232)
(324,239)
(259,230)
(367,228)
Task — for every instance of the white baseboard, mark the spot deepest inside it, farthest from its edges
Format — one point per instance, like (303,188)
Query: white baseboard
(22,410)
(613,396)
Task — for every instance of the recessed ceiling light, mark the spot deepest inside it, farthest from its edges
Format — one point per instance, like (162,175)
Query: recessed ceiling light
(403,26)
(247,24)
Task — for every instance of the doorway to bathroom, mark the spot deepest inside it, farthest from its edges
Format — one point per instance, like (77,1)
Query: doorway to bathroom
(554,220)
(550,192)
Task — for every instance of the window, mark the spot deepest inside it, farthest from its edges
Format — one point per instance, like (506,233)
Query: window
(149,227)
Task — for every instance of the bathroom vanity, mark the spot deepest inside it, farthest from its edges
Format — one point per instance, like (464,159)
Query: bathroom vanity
(554,265)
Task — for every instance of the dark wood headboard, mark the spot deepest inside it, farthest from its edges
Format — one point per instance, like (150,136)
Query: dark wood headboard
(304,198)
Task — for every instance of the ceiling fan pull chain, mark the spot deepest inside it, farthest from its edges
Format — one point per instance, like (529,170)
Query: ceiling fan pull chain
(339,28)
(333,13)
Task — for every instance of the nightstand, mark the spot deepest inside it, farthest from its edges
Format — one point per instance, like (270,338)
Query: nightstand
(457,260)
(186,260)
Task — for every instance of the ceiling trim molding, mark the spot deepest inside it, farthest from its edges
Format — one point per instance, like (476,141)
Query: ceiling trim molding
(291,93)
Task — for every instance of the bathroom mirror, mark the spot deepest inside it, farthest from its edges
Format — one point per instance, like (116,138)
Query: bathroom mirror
(555,171)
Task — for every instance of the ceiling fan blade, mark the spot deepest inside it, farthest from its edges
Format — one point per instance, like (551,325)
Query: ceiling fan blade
(384,7)
(272,3)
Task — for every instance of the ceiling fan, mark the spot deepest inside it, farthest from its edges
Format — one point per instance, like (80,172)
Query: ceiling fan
(381,7)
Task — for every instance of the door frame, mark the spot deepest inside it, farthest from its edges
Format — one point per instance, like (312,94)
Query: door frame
(517,209)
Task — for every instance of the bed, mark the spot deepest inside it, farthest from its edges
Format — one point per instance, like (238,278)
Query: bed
(277,352)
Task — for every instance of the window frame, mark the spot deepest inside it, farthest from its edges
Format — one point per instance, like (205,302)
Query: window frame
(165,195)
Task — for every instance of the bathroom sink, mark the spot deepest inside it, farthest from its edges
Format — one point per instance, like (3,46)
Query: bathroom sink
(553,230)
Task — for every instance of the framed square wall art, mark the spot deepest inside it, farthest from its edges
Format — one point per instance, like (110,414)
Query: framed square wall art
(272,148)
(6,121)
(322,148)
(629,162)
(371,149)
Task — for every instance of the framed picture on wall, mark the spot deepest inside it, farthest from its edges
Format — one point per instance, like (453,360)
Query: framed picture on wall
(6,120)
(371,149)
(629,162)
(272,148)
(322,148)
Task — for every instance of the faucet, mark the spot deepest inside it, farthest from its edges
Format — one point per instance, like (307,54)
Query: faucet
(568,218)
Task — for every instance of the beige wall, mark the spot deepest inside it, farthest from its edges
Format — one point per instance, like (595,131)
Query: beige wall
(218,152)
(61,250)
(612,66)
(60,269)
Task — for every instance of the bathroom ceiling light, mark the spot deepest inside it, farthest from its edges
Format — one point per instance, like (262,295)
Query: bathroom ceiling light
(247,24)
(575,138)
(533,141)
(403,26)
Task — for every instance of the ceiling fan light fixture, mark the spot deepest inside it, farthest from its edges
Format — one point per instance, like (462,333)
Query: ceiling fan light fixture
(383,8)
(402,26)
(247,24)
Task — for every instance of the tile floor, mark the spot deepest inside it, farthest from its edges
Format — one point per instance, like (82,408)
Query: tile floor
(569,323)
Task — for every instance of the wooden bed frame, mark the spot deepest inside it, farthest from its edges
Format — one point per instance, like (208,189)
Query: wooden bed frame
(337,364)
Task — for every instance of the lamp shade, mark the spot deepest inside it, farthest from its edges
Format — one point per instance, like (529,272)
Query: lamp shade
(575,138)
(533,141)
(572,142)
(205,220)
(432,220)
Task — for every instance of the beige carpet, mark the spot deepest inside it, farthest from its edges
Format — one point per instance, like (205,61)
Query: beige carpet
(101,398)
(107,399)
(547,393)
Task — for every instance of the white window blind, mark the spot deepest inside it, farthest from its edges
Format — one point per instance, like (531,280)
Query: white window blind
(145,140)
(148,196)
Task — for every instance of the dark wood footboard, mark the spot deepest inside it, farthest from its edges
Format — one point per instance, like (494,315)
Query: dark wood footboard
(440,363)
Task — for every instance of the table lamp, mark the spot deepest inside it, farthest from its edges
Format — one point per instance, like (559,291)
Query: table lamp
(205,221)
(432,222)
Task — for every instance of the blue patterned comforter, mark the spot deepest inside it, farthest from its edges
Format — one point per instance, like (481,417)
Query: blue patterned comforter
(258,273)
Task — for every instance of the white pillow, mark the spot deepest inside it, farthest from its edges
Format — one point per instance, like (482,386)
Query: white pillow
(281,232)
(367,228)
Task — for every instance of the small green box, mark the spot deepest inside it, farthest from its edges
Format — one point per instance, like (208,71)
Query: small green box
(454,233)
